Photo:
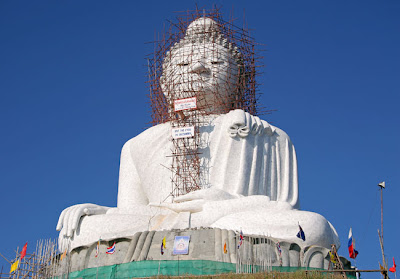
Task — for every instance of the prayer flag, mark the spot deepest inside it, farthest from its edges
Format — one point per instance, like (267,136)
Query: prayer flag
(163,245)
(63,255)
(382,269)
(97,248)
(225,251)
(23,251)
(278,245)
(352,246)
(240,239)
(301,234)
(14,266)
(111,249)
(393,268)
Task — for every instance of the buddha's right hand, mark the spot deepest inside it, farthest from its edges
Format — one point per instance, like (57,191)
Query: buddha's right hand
(69,218)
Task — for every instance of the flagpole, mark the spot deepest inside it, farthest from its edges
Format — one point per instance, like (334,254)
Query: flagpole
(355,266)
(159,262)
(98,257)
(355,258)
(18,258)
(5,258)
(382,186)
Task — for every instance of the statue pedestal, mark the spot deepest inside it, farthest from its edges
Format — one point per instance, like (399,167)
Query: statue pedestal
(206,244)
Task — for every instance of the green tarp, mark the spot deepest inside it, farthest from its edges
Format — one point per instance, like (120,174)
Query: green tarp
(168,268)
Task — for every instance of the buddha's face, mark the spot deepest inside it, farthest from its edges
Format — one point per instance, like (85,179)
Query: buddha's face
(205,70)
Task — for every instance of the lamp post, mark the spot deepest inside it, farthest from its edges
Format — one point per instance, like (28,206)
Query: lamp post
(382,186)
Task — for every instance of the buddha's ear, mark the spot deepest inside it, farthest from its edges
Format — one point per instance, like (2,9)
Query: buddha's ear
(163,85)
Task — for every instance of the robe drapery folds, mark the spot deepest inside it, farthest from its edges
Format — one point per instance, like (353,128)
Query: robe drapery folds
(239,154)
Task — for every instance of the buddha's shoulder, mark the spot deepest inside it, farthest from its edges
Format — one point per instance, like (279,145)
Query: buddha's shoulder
(254,123)
(279,132)
(153,135)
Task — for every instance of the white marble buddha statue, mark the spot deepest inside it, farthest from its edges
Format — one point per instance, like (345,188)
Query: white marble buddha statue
(250,182)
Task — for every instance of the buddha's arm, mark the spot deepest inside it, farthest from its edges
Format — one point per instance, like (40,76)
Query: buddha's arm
(130,197)
(287,185)
(130,193)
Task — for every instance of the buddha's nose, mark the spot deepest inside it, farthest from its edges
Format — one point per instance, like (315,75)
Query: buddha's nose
(198,68)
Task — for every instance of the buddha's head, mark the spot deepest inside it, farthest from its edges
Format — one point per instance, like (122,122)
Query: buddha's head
(204,65)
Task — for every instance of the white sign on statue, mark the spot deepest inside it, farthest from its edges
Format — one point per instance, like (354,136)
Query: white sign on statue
(183,132)
(185,104)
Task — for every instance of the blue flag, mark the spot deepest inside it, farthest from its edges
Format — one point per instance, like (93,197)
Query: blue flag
(301,234)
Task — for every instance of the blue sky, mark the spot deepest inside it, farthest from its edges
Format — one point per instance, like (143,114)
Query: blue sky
(72,91)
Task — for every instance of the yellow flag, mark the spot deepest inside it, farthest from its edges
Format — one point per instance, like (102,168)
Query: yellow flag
(63,255)
(382,268)
(14,266)
(163,242)
(332,257)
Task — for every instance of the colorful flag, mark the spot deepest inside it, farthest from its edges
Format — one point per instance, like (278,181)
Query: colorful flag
(393,268)
(301,234)
(23,251)
(333,259)
(278,245)
(14,266)
(163,245)
(63,255)
(111,249)
(352,246)
(240,239)
(225,251)
(97,248)
(381,268)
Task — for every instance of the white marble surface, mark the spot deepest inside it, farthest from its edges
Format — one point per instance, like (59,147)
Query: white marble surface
(254,188)
(249,169)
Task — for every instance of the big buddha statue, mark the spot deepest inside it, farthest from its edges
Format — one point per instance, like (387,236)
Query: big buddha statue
(250,181)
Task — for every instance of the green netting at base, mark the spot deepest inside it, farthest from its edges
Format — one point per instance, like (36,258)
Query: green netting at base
(169,268)
(154,268)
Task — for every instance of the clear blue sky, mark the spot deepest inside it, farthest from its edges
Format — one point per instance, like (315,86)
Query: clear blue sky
(72,91)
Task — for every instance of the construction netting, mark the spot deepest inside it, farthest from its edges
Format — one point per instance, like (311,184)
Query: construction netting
(167,268)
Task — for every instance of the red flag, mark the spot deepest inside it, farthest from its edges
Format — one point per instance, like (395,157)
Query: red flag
(23,251)
(393,268)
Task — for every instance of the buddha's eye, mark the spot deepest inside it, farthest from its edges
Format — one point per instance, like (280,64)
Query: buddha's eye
(217,62)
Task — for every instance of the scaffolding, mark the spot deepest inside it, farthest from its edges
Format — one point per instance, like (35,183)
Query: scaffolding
(45,262)
(202,66)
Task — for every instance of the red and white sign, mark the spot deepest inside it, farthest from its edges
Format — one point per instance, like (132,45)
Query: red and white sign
(183,132)
(185,104)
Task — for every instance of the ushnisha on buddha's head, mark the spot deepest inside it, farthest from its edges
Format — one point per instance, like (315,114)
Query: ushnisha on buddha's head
(204,65)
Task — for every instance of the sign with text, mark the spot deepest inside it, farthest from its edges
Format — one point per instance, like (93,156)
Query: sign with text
(185,104)
(181,245)
(183,132)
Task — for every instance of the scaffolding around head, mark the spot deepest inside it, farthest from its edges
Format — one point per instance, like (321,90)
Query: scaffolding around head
(201,66)
(235,37)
